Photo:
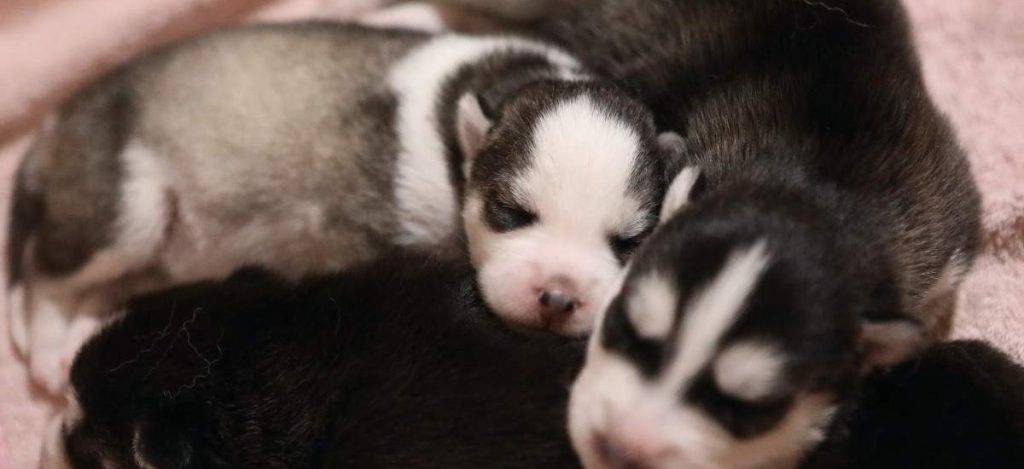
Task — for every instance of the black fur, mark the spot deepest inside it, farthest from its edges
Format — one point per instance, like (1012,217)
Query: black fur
(820,99)
(959,405)
(397,364)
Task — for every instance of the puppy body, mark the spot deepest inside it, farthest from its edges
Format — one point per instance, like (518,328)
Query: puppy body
(957,405)
(826,218)
(395,364)
(306,149)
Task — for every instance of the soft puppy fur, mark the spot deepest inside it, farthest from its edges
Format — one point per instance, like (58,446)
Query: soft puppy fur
(826,216)
(395,364)
(958,405)
(308,148)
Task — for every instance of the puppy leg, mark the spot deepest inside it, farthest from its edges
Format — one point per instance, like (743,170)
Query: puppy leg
(417,16)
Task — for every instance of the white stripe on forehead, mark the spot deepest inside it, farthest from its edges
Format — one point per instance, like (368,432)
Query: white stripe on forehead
(713,311)
(582,159)
(651,307)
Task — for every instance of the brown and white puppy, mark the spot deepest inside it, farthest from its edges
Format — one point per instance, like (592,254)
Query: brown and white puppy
(307,148)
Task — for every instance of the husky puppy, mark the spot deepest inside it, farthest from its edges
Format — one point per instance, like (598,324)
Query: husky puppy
(827,218)
(307,148)
(336,372)
(395,364)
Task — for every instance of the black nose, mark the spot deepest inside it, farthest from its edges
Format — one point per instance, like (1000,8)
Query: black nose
(556,303)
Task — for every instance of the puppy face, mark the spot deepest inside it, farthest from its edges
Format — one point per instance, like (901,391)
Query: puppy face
(729,344)
(564,186)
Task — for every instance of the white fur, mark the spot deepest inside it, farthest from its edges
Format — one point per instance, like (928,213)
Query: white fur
(581,160)
(651,307)
(748,370)
(49,323)
(678,194)
(710,314)
(426,200)
(416,16)
(62,313)
(53,454)
(144,209)
(16,308)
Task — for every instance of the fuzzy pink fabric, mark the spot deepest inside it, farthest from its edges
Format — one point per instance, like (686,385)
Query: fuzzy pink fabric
(972,53)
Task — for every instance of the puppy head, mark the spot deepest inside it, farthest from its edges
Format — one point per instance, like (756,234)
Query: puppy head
(733,336)
(563,181)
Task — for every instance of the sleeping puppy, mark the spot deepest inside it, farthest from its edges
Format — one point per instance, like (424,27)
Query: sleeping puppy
(827,217)
(395,364)
(822,100)
(307,148)
(337,372)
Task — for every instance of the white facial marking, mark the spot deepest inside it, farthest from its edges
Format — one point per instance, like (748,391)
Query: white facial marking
(425,196)
(651,307)
(581,160)
(748,370)
(712,311)
(678,194)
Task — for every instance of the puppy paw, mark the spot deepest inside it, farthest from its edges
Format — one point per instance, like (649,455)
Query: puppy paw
(48,368)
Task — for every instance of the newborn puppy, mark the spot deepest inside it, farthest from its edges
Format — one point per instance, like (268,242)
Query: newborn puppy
(396,364)
(827,218)
(960,404)
(338,372)
(307,148)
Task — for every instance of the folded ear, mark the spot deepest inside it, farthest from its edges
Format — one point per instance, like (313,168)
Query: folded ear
(889,342)
(679,192)
(471,126)
(673,150)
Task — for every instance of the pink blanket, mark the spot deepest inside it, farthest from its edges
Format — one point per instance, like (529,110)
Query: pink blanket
(972,53)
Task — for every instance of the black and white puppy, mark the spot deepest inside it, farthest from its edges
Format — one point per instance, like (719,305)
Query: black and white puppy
(827,218)
(308,148)
(396,364)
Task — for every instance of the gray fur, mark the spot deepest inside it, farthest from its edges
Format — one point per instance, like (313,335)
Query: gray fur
(283,146)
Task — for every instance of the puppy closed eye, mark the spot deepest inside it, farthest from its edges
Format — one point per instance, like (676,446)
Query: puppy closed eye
(743,418)
(504,216)
(624,245)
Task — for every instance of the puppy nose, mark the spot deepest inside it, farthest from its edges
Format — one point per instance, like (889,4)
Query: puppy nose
(557,299)
(617,456)
(557,302)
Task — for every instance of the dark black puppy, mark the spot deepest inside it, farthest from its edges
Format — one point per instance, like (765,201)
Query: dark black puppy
(961,404)
(394,365)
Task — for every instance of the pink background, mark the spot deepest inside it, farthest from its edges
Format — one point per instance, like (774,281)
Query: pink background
(972,53)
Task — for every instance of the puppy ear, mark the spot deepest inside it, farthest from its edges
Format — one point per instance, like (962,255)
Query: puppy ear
(471,126)
(162,439)
(889,342)
(679,192)
(672,150)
